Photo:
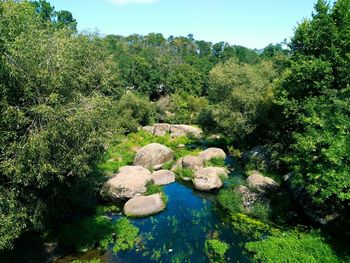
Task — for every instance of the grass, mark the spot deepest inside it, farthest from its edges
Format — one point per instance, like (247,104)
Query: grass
(182,173)
(122,149)
(216,162)
(230,200)
(152,188)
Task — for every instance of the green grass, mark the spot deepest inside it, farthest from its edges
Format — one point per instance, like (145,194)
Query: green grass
(182,173)
(230,200)
(152,188)
(293,247)
(122,149)
(216,162)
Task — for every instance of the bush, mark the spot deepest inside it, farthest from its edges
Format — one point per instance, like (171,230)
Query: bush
(230,200)
(292,247)
(260,211)
(216,250)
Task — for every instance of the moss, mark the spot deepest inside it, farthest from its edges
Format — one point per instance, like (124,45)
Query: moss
(216,250)
(292,247)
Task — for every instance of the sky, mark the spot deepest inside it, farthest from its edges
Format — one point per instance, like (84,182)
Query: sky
(251,23)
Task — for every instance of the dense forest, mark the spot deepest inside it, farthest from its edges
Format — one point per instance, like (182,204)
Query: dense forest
(67,97)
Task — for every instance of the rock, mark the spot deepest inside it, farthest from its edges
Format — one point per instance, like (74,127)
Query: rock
(179,130)
(153,155)
(128,182)
(191,162)
(160,129)
(163,177)
(261,183)
(248,197)
(211,153)
(208,178)
(141,206)
(149,129)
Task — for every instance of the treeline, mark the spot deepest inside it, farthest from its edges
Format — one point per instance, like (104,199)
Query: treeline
(65,94)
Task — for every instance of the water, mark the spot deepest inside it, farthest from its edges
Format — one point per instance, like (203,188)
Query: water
(179,232)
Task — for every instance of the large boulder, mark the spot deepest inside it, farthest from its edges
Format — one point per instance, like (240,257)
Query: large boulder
(141,206)
(179,130)
(128,182)
(261,183)
(189,161)
(211,153)
(163,177)
(153,156)
(209,178)
(160,129)
(149,129)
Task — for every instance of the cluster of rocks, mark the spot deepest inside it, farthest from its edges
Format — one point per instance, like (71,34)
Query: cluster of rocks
(176,130)
(204,178)
(130,182)
(259,186)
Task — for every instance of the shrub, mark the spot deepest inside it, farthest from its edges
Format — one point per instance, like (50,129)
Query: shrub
(216,250)
(260,211)
(230,200)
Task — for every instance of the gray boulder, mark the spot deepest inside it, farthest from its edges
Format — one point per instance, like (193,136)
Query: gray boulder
(209,178)
(141,206)
(261,183)
(160,129)
(149,129)
(211,153)
(179,130)
(189,161)
(163,177)
(153,156)
(128,182)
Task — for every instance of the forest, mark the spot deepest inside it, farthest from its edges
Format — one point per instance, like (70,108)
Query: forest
(75,106)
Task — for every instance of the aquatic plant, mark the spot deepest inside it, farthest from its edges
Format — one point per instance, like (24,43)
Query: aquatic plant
(216,250)
(125,235)
(293,247)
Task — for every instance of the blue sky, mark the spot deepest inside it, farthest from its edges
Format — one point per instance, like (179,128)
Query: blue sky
(251,23)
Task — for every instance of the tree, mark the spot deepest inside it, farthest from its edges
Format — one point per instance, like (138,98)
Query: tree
(314,95)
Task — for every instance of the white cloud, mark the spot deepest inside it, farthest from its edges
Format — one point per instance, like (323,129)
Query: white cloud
(123,2)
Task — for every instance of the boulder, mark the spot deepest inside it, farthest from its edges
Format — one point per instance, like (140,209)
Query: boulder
(141,206)
(153,155)
(191,162)
(163,177)
(261,183)
(160,129)
(128,182)
(179,130)
(149,129)
(209,178)
(211,153)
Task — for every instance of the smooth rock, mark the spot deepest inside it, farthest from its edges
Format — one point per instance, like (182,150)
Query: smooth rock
(128,182)
(261,183)
(179,130)
(208,178)
(142,206)
(153,155)
(211,153)
(160,129)
(192,162)
(163,177)
(149,129)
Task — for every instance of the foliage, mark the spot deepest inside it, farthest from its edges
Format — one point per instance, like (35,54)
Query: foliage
(152,188)
(218,162)
(84,234)
(314,96)
(260,211)
(87,261)
(239,94)
(182,172)
(216,250)
(292,247)
(230,200)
